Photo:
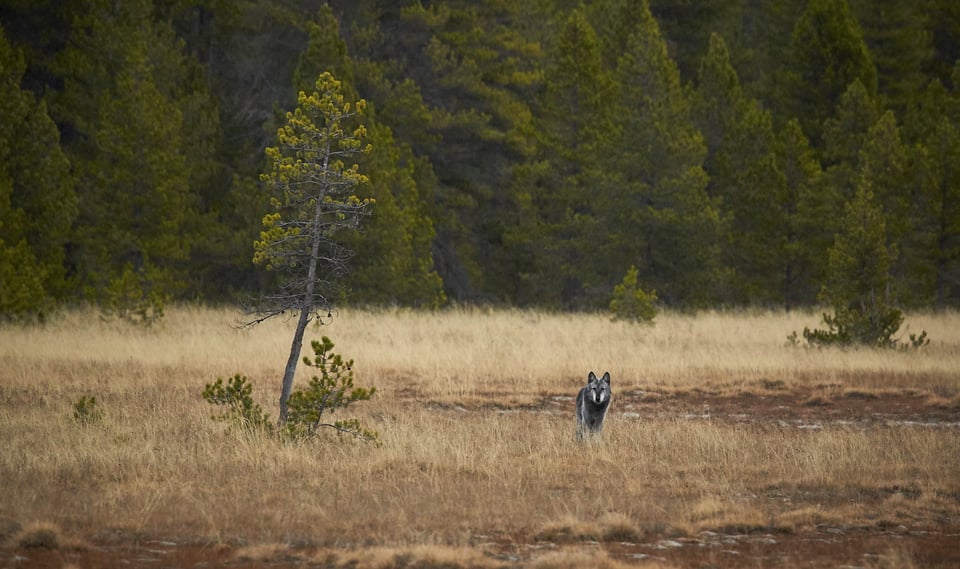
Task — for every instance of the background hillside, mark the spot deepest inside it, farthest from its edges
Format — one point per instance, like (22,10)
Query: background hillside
(525,153)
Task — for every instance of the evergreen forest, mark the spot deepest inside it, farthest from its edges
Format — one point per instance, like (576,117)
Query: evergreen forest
(523,153)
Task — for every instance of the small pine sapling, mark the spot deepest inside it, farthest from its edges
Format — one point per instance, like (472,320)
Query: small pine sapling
(86,412)
(630,302)
(135,297)
(858,283)
(241,409)
(333,389)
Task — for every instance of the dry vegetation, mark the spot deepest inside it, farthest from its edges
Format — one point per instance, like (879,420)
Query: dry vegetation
(718,429)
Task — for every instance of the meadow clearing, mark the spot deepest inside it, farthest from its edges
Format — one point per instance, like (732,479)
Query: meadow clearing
(724,446)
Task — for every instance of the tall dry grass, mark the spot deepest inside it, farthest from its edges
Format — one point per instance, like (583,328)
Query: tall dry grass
(460,459)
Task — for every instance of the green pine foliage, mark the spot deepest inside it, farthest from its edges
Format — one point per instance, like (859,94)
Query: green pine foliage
(741,163)
(524,152)
(37,199)
(86,411)
(828,53)
(312,187)
(887,166)
(392,262)
(239,408)
(632,303)
(311,408)
(555,193)
(123,76)
(844,134)
(900,44)
(858,282)
(932,269)
(801,217)
(654,199)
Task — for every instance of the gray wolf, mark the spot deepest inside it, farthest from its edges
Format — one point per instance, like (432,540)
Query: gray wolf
(592,404)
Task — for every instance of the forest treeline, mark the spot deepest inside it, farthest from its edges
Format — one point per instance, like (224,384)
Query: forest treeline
(524,153)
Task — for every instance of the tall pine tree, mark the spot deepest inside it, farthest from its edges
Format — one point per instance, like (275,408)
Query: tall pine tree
(933,267)
(827,54)
(656,211)
(556,192)
(741,165)
(393,261)
(801,218)
(37,199)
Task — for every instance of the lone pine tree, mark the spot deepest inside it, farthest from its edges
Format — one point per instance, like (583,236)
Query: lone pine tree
(312,194)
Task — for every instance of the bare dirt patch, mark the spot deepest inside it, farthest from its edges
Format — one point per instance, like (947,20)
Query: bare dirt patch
(804,407)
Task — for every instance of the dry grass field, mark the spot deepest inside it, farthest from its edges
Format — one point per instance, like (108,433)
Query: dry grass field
(724,447)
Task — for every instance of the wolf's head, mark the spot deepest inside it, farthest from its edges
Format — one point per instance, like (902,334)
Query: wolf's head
(598,390)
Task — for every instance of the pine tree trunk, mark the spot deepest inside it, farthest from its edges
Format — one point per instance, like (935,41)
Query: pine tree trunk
(306,309)
(292,362)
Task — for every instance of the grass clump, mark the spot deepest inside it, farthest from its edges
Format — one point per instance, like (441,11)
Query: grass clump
(39,535)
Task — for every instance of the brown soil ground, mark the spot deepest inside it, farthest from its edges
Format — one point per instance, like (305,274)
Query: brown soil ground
(934,544)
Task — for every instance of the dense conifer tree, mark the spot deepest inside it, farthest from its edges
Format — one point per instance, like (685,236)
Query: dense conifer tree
(37,200)
(142,135)
(393,262)
(886,166)
(656,212)
(803,217)
(901,45)
(556,193)
(538,189)
(741,165)
(827,54)
(844,135)
(857,285)
(933,267)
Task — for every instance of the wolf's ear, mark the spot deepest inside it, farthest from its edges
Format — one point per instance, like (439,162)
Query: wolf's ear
(591,377)
(606,377)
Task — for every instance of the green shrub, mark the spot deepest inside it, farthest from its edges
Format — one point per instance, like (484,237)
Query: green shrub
(858,283)
(309,409)
(86,412)
(630,302)
(240,408)
(135,297)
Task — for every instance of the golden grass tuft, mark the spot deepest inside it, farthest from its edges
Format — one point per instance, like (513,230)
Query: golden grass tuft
(725,515)
(419,557)
(585,559)
(265,553)
(808,517)
(569,529)
(616,526)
